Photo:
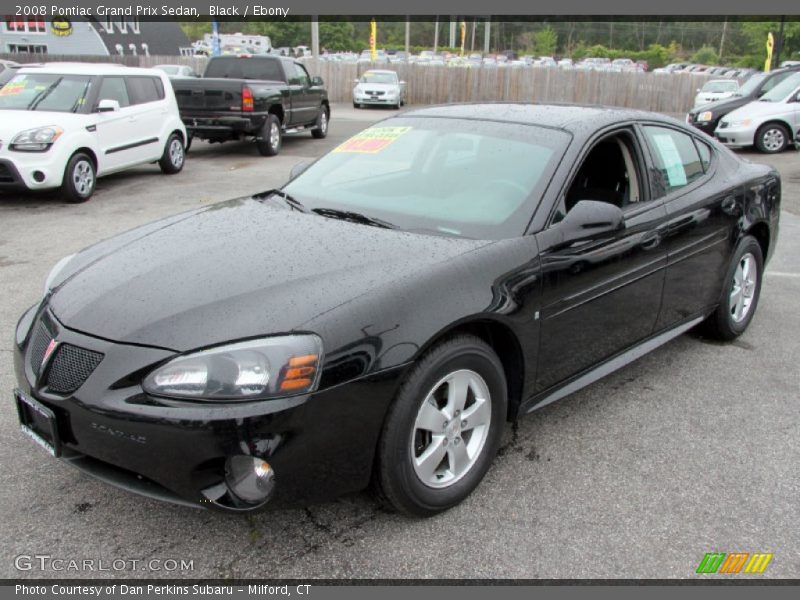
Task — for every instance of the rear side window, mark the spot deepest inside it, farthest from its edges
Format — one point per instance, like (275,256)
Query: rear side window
(705,154)
(676,159)
(113,88)
(145,89)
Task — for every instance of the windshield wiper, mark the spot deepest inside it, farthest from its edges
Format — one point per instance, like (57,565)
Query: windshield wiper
(290,200)
(39,98)
(353,217)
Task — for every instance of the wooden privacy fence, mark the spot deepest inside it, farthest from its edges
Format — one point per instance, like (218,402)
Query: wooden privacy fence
(666,93)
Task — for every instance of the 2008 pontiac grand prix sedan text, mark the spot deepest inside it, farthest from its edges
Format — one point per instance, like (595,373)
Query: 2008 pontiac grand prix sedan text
(385,313)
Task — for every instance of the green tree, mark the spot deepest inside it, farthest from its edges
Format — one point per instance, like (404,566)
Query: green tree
(337,36)
(545,42)
(705,56)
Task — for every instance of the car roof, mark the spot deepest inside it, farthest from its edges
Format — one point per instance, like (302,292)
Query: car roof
(79,68)
(569,117)
(380,71)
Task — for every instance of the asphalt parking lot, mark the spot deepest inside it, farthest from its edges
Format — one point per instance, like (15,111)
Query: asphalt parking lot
(692,449)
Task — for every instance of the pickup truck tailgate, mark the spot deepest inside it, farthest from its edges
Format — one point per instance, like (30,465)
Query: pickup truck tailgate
(200,96)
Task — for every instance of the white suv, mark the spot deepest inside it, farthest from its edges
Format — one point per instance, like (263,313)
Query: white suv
(64,125)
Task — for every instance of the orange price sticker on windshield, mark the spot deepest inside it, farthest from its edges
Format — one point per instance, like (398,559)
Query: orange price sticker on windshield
(373,140)
(12,88)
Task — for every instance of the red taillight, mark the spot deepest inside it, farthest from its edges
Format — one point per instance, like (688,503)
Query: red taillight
(247,99)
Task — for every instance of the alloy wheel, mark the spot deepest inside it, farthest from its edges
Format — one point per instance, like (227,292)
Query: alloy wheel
(743,289)
(83,177)
(176,153)
(451,428)
(773,139)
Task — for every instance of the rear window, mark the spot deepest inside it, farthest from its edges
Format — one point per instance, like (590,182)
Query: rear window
(235,67)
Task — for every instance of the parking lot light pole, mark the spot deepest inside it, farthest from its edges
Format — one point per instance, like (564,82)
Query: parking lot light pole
(486,34)
(315,36)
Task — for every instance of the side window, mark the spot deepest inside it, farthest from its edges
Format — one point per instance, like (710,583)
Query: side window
(677,162)
(143,90)
(705,154)
(300,75)
(113,88)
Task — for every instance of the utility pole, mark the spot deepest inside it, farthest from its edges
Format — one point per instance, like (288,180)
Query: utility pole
(487,32)
(452,43)
(436,36)
(779,43)
(315,36)
(722,39)
(472,43)
(408,37)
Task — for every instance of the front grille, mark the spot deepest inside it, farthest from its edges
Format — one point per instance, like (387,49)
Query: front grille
(39,342)
(375,93)
(70,367)
(6,176)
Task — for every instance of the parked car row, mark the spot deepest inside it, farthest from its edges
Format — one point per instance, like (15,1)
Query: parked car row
(66,124)
(764,112)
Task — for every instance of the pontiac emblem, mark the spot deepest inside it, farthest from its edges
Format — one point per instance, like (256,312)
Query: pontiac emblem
(48,353)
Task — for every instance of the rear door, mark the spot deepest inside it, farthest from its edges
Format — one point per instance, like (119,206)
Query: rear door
(116,131)
(150,109)
(305,103)
(702,211)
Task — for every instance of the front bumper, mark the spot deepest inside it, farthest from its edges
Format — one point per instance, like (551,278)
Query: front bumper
(707,127)
(738,137)
(31,171)
(377,101)
(319,445)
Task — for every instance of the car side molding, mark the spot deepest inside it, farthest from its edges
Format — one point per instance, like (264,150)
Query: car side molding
(606,368)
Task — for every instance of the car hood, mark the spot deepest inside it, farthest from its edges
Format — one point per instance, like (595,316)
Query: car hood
(13,122)
(758,110)
(724,106)
(233,270)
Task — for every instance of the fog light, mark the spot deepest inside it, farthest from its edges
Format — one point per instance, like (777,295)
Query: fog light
(249,478)
(38,176)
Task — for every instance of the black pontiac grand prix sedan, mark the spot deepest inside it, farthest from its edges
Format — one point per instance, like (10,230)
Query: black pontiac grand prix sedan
(382,316)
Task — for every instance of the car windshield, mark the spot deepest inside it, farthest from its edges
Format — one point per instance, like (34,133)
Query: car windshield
(370,77)
(750,86)
(720,86)
(45,92)
(783,90)
(476,179)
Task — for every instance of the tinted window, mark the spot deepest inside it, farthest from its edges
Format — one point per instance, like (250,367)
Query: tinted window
(300,76)
(245,68)
(144,89)
(113,88)
(677,162)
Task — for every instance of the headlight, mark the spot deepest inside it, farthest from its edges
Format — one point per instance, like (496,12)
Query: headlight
(59,266)
(264,368)
(36,140)
(705,117)
(742,123)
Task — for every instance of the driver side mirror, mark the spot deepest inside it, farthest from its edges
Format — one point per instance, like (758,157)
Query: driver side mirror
(589,218)
(317,81)
(298,168)
(107,105)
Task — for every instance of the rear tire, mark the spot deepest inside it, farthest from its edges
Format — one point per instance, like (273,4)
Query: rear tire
(79,178)
(321,130)
(443,429)
(270,137)
(174,156)
(772,138)
(740,292)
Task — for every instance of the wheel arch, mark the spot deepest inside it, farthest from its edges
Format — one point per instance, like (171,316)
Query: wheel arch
(761,232)
(277,110)
(783,123)
(502,339)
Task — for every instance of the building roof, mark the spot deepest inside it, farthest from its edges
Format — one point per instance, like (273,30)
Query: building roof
(161,37)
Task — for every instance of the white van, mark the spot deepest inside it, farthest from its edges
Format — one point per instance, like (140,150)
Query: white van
(62,125)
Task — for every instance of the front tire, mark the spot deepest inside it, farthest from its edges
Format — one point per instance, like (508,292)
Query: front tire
(79,178)
(174,156)
(321,130)
(270,137)
(740,292)
(443,429)
(772,138)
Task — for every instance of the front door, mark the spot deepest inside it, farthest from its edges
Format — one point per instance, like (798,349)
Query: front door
(602,293)
(305,105)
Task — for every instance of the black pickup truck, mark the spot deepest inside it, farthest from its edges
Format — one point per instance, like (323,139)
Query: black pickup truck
(256,96)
